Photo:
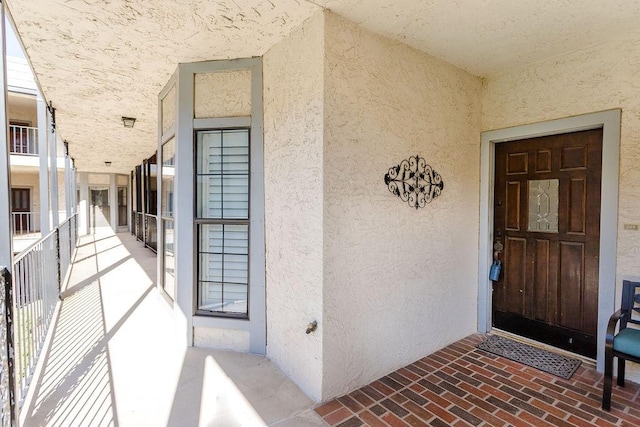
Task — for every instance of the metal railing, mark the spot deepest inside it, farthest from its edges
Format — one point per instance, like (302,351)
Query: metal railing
(138,223)
(25,222)
(23,140)
(7,354)
(38,273)
(151,231)
(146,229)
(29,222)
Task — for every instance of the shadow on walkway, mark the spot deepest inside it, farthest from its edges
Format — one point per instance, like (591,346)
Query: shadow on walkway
(115,358)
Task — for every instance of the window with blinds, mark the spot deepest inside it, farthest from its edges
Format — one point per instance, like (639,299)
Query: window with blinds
(222,210)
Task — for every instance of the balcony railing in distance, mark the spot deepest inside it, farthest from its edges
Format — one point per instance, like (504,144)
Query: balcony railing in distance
(25,222)
(38,274)
(23,140)
(29,222)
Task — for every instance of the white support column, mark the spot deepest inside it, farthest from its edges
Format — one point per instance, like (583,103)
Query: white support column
(53,169)
(83,205)
(74,188)
(184,239)
(43,177)
(6,245)
(113,201)
(68,190)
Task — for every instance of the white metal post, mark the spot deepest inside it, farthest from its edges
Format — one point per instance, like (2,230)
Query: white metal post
(74,187)
(83,206)
(113,201)
(43,177)
(53,168)
(67,182)
(6,246)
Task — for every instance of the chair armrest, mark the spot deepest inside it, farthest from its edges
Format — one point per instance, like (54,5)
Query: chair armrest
(611,327)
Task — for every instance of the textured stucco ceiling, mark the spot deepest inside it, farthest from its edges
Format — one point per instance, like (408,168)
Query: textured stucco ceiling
(100,60)
(485,37)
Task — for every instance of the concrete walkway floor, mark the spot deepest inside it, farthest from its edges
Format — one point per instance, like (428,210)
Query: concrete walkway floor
(114,357)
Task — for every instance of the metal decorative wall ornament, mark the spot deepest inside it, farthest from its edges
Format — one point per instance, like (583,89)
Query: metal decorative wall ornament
(414,182)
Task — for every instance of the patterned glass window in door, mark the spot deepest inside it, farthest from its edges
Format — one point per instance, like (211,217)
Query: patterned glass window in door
(543,205)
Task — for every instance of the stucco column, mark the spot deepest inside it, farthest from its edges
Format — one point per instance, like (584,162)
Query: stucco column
(43,177)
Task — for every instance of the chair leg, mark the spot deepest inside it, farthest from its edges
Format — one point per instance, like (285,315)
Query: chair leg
(621,366)
(608,377)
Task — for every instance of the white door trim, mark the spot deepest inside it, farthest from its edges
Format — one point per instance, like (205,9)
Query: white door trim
(610,122)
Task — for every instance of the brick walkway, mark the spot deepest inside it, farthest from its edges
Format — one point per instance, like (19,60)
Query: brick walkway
(460,386)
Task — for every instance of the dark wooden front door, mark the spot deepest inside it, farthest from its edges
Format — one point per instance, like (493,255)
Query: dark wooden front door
(547,218)
(20,209)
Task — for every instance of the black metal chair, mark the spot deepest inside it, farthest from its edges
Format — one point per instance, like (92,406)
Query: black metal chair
(625,345)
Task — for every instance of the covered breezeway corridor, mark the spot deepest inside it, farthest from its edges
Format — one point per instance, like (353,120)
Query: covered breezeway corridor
(112,358)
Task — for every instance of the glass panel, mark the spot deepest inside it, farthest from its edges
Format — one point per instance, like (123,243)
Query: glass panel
(169,259)
(223,174)
(543,205)
(168,177)
(223,266)
(169,110)
(152,185)
(122,206)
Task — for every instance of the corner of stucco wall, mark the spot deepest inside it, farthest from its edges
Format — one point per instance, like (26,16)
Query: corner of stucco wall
(293,160)
(394,274)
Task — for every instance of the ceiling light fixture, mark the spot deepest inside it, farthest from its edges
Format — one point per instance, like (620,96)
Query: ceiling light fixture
(128,122)
(107,164)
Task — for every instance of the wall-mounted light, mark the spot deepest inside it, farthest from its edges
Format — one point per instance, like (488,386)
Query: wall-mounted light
(107,164)
(128,122)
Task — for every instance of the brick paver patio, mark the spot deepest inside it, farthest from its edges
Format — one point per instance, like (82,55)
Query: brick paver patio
(461,386)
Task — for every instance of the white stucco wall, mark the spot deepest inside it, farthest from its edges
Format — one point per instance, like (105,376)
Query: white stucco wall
(594,79)
(31,180)
(222,94)
(222,339)
(293,160)
(399,283)
(22,108)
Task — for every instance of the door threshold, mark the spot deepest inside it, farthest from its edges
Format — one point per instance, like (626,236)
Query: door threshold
(586,360)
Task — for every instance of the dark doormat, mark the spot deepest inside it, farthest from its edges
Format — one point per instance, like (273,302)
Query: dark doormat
(543,360)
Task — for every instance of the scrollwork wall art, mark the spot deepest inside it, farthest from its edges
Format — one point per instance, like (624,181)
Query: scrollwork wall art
(414,182)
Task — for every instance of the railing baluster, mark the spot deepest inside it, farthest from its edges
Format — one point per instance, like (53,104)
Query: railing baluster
(7,353)
(22,140)
(38,275)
